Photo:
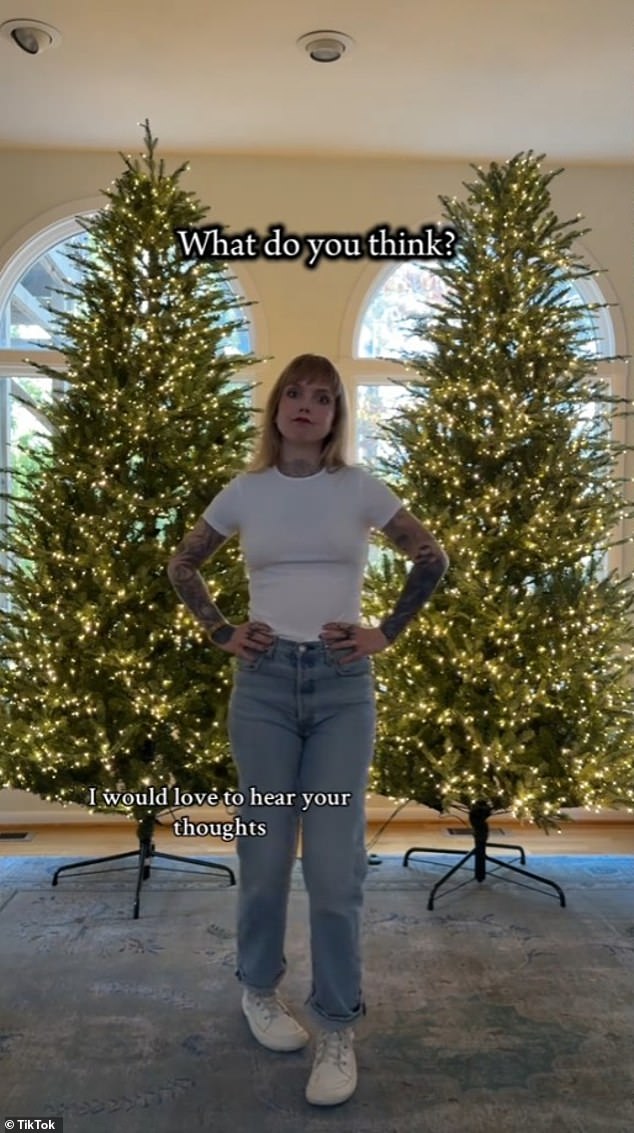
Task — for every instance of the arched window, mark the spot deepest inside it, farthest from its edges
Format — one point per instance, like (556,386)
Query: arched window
(28,303)
(384,338)
(407,293)
(31,287)
(386,332)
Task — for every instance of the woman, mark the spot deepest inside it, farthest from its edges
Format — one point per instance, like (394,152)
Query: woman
(302,711)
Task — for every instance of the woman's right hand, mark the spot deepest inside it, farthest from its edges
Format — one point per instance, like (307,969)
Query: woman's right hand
(247,640)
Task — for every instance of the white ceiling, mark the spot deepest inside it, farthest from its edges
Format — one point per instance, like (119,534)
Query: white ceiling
(470,79)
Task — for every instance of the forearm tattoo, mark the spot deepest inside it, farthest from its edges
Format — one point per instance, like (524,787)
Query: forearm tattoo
(184,575)
(430,564)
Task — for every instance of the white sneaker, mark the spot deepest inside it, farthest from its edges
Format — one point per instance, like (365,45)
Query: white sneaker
(334,1075)
(271,1022)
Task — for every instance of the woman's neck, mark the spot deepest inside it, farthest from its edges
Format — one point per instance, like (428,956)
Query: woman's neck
(299,466)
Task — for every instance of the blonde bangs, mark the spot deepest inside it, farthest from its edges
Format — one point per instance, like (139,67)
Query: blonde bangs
(312,369)
(309,369)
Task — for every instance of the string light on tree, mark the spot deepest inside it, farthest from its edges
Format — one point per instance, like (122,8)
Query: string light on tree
(105,679)
(515,685)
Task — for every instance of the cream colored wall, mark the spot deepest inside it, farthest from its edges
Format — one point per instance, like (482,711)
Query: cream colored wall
(313,310)
(304,309)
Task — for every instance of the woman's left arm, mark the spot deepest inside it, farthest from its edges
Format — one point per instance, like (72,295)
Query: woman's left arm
(430,564)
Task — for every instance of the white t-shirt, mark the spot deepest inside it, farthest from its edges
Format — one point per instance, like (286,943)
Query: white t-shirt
(305,542)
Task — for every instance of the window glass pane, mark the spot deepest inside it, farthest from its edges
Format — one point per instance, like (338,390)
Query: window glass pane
(406,293)
(29,318)
(409,292)
(238,341)
(587,321)
(32,391)
(35,296)
(376,404)
(28,427)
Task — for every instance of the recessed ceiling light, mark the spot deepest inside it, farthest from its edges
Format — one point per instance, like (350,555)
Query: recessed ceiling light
(31,36)
(325,46)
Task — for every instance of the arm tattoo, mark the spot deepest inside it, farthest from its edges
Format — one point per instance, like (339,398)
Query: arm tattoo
(430,564)
(185,577)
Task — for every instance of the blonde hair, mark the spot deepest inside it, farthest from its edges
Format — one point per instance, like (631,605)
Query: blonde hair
(311,368)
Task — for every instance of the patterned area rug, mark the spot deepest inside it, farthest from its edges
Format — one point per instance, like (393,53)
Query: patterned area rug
(497,1012)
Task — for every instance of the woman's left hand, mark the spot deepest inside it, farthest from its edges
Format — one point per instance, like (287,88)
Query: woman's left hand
(345,635)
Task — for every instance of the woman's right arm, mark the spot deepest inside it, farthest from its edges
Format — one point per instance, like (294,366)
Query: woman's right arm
(183,570)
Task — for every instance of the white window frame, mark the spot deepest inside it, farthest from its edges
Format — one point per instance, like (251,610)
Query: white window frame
(24,250)
(611,342)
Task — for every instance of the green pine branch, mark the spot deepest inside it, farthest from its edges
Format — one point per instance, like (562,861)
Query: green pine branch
(514,685)
(104,679)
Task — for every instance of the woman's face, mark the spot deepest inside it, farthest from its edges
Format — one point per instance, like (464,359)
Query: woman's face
(312,404)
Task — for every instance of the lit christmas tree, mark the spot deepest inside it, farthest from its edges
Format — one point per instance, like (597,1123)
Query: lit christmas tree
(105,681)
(513,689)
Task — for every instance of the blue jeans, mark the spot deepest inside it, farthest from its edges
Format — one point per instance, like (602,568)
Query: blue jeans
(300,722)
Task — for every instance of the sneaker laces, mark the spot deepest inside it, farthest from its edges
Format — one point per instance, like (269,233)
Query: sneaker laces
(332,1047)
(270,1004)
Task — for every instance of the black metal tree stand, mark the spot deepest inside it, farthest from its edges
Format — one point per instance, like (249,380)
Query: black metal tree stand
(478,816)
(146,853)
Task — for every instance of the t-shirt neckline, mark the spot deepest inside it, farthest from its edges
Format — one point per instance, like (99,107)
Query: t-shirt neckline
(313,475)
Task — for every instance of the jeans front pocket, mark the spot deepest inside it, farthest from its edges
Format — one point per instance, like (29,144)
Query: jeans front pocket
(251,666)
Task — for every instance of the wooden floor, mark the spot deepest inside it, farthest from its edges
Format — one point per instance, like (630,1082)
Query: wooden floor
(98,838)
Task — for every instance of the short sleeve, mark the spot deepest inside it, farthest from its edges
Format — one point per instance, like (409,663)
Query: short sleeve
(223,513)
(380,503)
